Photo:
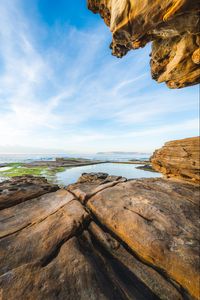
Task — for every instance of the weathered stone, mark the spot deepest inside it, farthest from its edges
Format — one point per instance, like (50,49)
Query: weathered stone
(117,255)
(72,273)
(179,159)
(91,183)
(159,224)
(20,189)
(172,25)
(25,214)
(135,239)
(41,239)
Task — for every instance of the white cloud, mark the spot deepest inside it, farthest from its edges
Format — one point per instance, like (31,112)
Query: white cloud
(75,95)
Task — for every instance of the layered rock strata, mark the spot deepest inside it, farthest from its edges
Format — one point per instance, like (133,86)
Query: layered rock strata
(179,159)
(172,26)
(103,237)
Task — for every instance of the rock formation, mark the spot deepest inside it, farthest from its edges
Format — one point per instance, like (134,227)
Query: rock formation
(172,26)
(21,189)
(179,159)
(103,237)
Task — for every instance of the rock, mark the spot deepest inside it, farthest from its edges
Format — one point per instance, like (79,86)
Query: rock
(172,26)
(91,183)
(179,159)
(146,168)
(158,220)
(103,237)
(20,189)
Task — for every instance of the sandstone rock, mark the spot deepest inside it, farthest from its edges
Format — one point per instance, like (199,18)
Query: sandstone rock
(172,25)
(179,159)
(20,189)
(91,183)
(25,214)
(158,223)
(102,238)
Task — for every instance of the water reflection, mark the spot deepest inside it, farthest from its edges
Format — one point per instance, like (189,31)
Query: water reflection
(71,175)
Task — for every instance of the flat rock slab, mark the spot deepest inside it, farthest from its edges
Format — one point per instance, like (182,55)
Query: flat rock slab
(42,239)
(159,221)
(33,211)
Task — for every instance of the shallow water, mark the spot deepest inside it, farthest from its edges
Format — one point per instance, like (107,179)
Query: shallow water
(71,175)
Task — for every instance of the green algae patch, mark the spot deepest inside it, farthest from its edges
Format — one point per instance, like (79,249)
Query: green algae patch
(17,169)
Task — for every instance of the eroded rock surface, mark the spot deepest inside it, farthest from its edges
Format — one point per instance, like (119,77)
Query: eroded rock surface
(20,189)
(179,159)
(172,26)
(103,237)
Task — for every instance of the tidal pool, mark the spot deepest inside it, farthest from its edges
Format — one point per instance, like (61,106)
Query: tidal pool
(71,175)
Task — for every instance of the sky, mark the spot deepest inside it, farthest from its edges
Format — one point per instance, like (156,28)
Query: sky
(62,90)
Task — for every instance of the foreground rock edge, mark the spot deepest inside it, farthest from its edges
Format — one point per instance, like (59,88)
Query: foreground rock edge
(37,244)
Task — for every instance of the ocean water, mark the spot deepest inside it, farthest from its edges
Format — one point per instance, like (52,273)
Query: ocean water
(8,158)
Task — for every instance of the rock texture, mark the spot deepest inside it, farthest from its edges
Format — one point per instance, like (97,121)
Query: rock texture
(179,159)
(21,189)
(172,26)
(103,237)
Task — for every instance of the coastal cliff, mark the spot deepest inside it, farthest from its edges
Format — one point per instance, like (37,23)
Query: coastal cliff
(179,159)
(171,25)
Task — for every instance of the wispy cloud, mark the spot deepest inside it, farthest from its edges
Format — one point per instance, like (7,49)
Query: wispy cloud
(73,94)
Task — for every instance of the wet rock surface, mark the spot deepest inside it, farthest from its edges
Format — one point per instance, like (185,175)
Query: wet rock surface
(179,159)
(172,26)
(103,237)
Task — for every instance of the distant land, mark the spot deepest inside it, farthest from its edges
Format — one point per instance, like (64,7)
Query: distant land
(122,153)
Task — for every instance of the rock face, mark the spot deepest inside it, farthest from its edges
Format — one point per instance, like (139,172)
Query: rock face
(179,159)
(172,26)
(103,237)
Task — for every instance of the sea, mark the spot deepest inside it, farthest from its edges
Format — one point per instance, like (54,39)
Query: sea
(9,158)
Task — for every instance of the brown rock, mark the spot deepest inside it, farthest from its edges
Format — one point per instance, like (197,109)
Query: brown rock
(20,189)
(41,239)
(179,159)
(172,25)
(72,273)
(135,239)
(133,268)
(25,214)
(158,223)
(91,183)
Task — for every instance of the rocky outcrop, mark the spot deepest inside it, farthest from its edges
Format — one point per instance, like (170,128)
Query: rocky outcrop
(179,159)
(172,26)
(21,189)
(103,237)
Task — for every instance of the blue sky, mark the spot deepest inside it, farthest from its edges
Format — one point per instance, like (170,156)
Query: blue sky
(60,87)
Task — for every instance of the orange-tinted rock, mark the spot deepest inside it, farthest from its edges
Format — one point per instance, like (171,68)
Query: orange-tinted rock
(179,159)
(172,25)
(159,221)
(105,239)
